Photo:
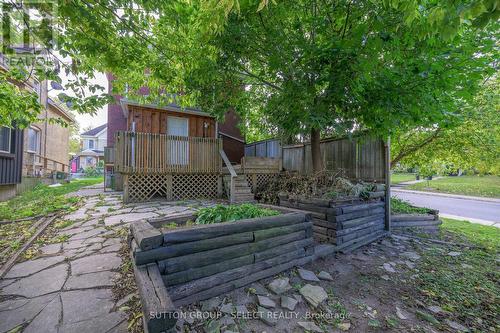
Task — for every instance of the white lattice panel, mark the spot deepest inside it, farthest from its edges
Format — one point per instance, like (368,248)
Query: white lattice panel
(194,186)
(143,187)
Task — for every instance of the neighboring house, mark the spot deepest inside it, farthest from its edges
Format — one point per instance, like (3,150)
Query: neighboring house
(93,143)
(38,153)
(46,144)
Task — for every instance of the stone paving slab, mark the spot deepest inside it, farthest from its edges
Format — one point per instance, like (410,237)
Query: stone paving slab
(47,321)
(126,218)
(95,263)
(41,283)
(29,267)
(22,311)
(83,305)
(74,278)
(90,280)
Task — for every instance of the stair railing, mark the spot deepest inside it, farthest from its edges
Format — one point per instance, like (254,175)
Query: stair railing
(232,173)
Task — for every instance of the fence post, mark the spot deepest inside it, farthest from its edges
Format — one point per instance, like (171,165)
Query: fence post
(304,159)
(387,149)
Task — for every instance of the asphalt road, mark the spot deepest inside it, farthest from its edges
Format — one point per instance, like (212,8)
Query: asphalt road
(466,208)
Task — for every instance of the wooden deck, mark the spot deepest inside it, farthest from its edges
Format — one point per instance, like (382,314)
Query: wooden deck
(148,153)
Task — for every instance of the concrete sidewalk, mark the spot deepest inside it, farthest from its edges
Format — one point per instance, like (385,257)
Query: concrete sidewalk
(447,195)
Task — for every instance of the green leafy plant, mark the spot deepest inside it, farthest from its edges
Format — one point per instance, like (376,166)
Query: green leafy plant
(93,171)
(399,206)
(223,213)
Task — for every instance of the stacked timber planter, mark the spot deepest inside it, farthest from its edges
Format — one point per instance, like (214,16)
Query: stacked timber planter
(427,223)
(347,223)
(194,263)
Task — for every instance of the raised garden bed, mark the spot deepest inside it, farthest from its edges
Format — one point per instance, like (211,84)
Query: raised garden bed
(183,265)
(347,223)
(407,218)
(427,223)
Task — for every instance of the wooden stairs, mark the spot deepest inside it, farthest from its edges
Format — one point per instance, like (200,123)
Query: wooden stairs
(242,191)
(235,182)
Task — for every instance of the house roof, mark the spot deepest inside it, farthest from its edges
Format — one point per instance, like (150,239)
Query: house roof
(61,108)
(95,131)
(91,152)
(170,107)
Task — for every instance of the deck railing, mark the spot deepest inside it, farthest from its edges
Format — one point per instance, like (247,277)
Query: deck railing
(37,165)
(159,153)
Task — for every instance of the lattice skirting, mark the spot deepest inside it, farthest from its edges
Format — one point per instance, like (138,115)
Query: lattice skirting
(257,181)
(143,187)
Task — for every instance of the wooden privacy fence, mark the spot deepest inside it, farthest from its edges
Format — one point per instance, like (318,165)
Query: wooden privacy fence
(266,148)
(360,158)
(146,153)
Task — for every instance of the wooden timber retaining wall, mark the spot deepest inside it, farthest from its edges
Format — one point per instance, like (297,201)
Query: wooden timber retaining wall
(428,223)
(348,223)
(200,262)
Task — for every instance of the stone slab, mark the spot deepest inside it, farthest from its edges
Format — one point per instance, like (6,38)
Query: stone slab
(307,275)
(32,266)
(21,311)
(51,248)
(82,305)
(87,234)
(41,283)
(126,218)
(90,280)
(95,263)
(106,323)
(47,321)
(314,295)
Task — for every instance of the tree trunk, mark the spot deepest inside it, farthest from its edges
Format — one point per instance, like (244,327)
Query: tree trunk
(315,150)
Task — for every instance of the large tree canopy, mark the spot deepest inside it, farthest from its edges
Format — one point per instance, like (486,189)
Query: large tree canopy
(472,143)
(299,66)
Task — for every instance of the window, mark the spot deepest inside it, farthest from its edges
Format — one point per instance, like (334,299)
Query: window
(5,136)
(89,161)
(33,140)
(91,144)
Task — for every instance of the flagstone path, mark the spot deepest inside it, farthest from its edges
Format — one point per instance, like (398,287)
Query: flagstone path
(67,287)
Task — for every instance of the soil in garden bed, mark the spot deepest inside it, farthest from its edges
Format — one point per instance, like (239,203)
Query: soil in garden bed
(373,289)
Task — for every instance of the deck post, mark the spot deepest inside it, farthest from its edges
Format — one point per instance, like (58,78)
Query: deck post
(220,185)
(387,149)
(125,189)
(169,187)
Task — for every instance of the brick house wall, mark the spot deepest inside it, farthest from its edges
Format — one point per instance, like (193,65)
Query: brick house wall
(116,119)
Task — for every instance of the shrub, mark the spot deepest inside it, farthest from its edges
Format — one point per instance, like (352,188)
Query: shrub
(223,213)
(93,171)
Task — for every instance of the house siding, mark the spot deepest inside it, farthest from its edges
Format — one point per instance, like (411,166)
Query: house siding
(54,140)
(233,142)
(234,149)
(151,120)
(11,164)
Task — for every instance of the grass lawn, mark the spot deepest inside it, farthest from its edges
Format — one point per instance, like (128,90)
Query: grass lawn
(397,178)
(465,286)
(481,186)
(43,199)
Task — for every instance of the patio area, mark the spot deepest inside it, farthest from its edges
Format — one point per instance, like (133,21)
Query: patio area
(67,286)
